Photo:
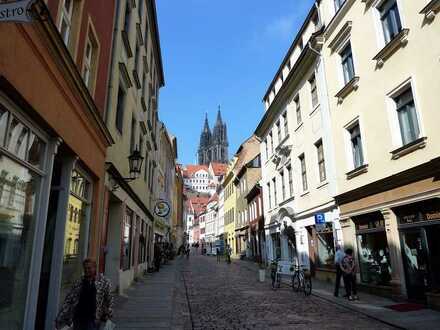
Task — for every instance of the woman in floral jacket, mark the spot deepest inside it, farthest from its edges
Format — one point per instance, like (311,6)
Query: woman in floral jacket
(89,302)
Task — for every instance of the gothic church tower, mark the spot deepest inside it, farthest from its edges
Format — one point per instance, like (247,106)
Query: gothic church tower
(214,147)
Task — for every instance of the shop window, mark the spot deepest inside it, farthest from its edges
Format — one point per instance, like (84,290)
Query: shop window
(126,241)
(76,231)
(373,251)
(325,247)
(19,201)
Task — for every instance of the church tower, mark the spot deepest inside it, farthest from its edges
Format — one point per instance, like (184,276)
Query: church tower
(213,147)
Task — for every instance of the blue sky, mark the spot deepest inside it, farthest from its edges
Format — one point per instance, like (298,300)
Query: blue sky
(221,53)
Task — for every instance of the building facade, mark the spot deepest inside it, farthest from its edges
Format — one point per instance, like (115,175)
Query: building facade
(229,206)
(248,174)
(298,172)
(52,179)
(136,75)
(213,145)
(382,100)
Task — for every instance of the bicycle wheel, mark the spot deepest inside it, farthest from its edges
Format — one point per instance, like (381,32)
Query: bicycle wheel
(307,285)
(296,283)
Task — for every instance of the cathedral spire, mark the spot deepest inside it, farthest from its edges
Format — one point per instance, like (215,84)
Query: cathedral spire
(206,127)
(219,117)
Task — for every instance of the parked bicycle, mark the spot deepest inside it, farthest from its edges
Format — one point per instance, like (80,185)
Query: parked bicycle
(301,280)
(276,279)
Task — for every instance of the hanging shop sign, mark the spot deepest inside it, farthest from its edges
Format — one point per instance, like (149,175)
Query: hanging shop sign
(162,208)
(19,11)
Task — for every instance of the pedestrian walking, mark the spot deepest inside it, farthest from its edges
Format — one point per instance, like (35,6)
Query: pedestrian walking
(348,267)
(157,256)
(228,252)
(339,255)
(217,252)
(89,303)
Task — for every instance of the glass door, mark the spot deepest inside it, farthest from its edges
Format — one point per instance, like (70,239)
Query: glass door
(415,257)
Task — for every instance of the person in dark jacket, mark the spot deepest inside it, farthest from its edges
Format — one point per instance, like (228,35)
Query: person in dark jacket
(89,301)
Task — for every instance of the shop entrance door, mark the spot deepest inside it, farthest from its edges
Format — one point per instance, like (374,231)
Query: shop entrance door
(415,255)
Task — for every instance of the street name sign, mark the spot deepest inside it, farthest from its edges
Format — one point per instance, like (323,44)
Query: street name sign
(18,11)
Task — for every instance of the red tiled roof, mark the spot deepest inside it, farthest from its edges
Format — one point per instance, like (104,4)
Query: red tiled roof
(192,169)
(199,203)
(219,168)
(214,198)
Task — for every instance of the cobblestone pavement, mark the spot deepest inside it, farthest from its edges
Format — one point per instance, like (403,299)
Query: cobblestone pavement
(223,296)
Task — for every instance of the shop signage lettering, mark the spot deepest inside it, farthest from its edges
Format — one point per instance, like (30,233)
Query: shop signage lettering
(433,216)
(18,11)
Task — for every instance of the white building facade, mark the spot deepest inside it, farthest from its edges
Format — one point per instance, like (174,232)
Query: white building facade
(298,170)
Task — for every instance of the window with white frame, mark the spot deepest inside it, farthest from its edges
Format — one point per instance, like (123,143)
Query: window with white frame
(356,145)
(347,63)
(286,124)
(274,183)
(271,142)
(298,110)
(66,20)
(302,161)
(269,195)
(313,91)
(90,62)
(407,116)
(278,125)
(321,161)
(390,19)
(283,186)
(290,177)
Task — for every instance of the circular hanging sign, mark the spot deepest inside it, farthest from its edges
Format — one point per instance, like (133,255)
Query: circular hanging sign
(162,209)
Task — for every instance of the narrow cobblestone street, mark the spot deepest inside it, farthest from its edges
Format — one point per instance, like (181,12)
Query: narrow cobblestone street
(223,296)
(226,296)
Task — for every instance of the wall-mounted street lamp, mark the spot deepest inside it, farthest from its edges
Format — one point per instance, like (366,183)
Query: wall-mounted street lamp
(135,165)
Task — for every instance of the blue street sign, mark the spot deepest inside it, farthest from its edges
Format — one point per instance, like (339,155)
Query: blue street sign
(319,218)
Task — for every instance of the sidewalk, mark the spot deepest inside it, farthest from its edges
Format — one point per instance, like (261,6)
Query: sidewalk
(372,306)
(155,301)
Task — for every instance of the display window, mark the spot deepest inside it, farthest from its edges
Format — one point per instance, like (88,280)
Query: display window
(373,251)
(126,239)
(22,153)
(76,230)
(325,247)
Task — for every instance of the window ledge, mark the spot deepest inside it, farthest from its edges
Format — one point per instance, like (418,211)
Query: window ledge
(280,145)
(126,42)
(137,82)
(299,126)
(305,193)
(124,73)
(419,143)
(337,18)
(287,200)
(431,9)
(400,40)
(352,85)
(357,171)
(322,184)
(341,36)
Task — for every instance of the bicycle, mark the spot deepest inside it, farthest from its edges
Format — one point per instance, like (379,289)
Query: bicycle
(301,280)
(276,279)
